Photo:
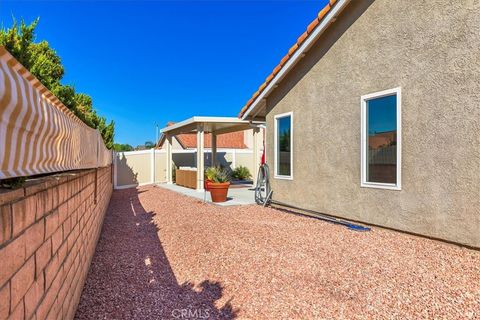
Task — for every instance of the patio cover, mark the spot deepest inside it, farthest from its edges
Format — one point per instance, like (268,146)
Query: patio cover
(215,126)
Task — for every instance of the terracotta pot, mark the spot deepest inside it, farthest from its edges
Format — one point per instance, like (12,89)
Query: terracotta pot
(218,191)
(207,184)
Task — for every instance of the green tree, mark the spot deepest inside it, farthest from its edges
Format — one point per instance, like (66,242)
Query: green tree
(149,144)
(122,147)
(45,64)
(285,140)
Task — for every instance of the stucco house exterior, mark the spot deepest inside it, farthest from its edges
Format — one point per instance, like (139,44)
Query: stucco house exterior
(374,116)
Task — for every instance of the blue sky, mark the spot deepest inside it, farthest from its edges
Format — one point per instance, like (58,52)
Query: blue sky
(382,114)
(147,62)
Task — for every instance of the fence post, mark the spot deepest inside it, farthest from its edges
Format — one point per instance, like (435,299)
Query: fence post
(256,153)
(169,160)
(153,166)
(111,168)
(115,170)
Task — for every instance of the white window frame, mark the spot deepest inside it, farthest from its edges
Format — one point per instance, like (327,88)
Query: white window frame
(364,146)
(275,152)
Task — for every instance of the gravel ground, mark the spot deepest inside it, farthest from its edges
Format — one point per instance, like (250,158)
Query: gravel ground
(162,255)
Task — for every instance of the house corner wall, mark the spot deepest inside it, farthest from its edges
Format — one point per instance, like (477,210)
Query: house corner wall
(428,51)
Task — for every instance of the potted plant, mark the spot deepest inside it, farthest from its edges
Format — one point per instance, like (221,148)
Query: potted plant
(217,181)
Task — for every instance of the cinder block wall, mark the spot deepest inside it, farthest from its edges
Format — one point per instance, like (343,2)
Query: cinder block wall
(48,233)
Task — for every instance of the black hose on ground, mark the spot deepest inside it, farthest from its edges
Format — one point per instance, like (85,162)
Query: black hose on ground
(323,217)
(263,196)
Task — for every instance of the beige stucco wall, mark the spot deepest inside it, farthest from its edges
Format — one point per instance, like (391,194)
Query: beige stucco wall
(246,160)
(175,144)
(430,50)
(248,138)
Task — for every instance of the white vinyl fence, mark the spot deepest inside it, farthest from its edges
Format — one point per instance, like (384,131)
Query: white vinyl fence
(136,168)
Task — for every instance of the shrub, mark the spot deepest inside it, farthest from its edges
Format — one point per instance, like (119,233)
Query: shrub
(217,174)
(241,173)
(13,183)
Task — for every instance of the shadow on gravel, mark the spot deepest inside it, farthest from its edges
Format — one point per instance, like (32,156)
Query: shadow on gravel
(130,276)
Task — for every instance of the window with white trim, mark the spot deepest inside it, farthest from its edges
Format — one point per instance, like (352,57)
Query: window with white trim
(381,139)
(284,146)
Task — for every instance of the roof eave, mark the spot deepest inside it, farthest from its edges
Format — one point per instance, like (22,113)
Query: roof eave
(295,58)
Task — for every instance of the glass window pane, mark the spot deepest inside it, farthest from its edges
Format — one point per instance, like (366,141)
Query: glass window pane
(283,146)
(382,140)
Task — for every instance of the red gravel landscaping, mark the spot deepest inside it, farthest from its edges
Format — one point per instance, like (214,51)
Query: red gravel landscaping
(162,255)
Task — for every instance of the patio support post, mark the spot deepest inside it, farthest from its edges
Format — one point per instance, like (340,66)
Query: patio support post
(200,157)
(256,153)
(169,162)
(214,149)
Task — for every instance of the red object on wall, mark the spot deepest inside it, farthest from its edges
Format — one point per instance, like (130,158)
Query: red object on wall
(263,154)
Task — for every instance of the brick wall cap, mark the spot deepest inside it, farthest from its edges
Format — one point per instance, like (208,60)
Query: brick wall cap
(10,195)
(35,185)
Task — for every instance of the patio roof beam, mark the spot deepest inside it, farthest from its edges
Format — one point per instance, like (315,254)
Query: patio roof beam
(210,124)
(169,164)
(256,154)
(186,129)
(214,149)
(200,157)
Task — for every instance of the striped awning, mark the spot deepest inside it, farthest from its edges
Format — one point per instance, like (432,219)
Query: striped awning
(38,134)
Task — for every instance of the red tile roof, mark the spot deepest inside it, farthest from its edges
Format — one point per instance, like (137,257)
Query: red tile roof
(233,140)
(290,53)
